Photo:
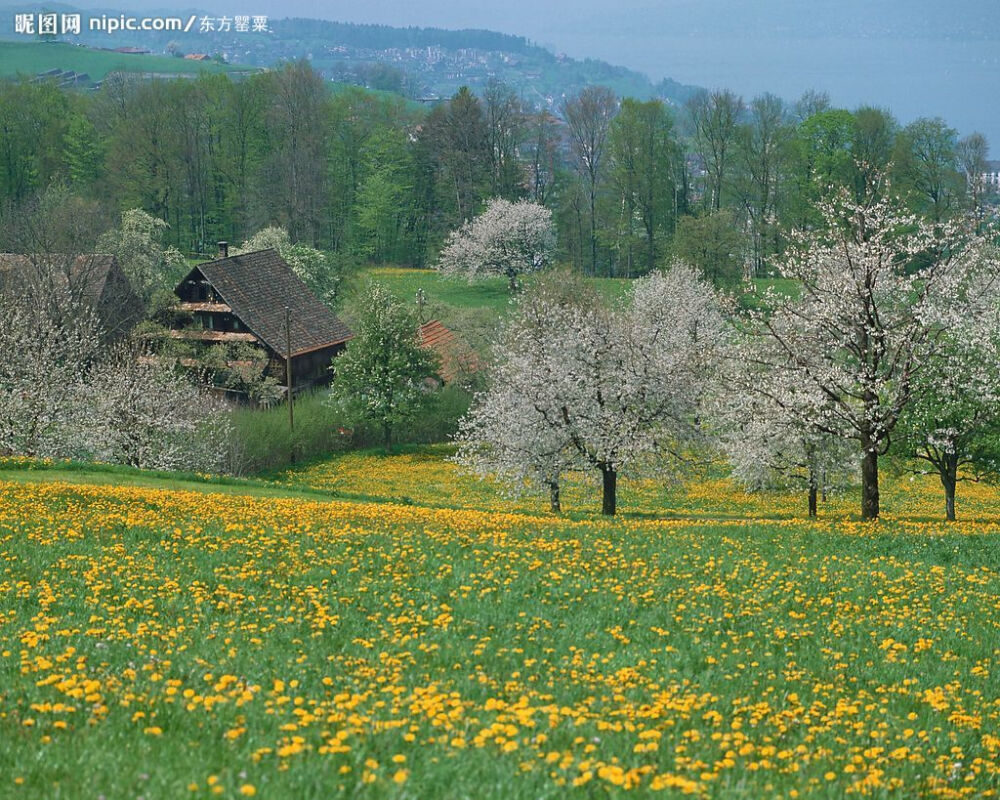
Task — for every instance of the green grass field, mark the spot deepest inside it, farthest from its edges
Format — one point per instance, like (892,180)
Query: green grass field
(169,637)
(490,293)
(30,58)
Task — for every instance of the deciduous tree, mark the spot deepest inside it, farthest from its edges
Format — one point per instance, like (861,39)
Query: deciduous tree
(926,167)
(506,129)
(880,290)
(138,245)
(953,423)
(509,239)
(615,389)
(382,377)
(142,413)
(973,152)
(644,157)
(588,120)
(715,116)
(770,442)
(763,144)
(44,363)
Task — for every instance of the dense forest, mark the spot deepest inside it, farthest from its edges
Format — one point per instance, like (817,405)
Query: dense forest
(372,178)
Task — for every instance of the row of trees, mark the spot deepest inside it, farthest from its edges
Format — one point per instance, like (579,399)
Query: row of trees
(889,343)
(721,183)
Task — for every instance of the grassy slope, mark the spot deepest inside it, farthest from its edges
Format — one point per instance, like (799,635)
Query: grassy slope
(423,476)
(24,471)
(30,58)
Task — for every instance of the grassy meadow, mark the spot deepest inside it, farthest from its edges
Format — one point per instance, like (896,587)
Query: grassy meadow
(379,626)
(455,299)
(487,293)
(425,475)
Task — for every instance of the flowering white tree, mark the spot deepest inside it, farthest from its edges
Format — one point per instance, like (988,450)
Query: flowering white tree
(509,239)
(879,291)
(137,243)
(769,448)
(954,422)
(503,437)
(43,367)
(63,395)
(142,413)
(613,389)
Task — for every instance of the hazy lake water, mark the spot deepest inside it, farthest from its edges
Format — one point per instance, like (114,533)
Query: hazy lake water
(957,80)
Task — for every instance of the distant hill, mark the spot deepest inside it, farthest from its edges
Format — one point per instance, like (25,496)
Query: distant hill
(421,63)
(33,57)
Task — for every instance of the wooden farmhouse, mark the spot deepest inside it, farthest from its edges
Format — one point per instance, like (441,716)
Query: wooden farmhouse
(64,281)
(244,298)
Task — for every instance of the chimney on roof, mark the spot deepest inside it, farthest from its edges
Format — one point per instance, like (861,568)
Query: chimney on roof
(223,249)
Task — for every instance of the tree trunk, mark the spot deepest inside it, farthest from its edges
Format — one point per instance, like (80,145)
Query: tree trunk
(554,506)
(949,479)
(610,494)
(813,492)
(593,232)
(869,485)
(387,436)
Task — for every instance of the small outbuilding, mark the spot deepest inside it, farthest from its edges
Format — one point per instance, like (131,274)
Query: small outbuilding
(457,361)
(94,280)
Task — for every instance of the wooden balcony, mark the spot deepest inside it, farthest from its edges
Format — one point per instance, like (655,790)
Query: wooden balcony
(221,308)
(205,335)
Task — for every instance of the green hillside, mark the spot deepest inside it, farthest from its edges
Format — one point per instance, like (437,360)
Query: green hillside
(32,57)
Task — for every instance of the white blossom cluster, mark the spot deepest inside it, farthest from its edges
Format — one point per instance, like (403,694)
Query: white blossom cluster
(581,386)
(882,295)
(138,245)
(889,339)
(770,448)
(63,395)
(508,239)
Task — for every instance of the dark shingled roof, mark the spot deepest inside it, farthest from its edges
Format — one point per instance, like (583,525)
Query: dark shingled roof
(258,286)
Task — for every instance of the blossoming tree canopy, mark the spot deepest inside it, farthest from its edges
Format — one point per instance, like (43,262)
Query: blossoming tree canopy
(879,291)
(953,425)
(508,239)
(597,388)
